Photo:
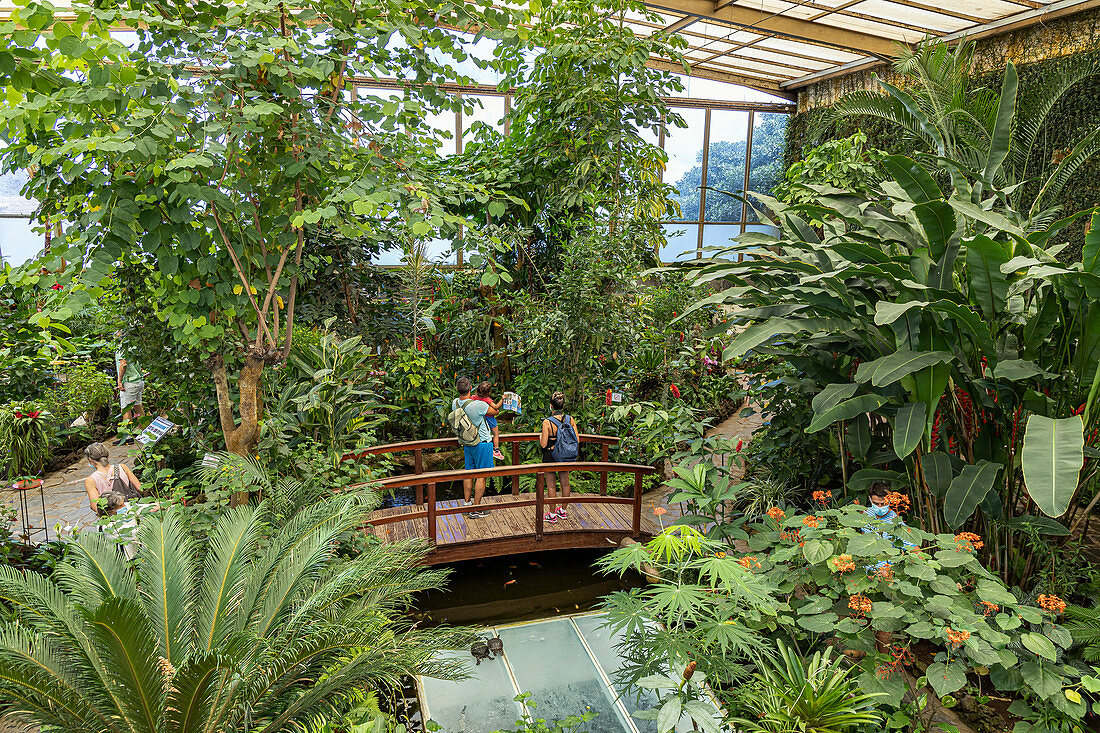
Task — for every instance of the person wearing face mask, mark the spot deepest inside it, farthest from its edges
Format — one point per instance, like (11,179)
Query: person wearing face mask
(881,510)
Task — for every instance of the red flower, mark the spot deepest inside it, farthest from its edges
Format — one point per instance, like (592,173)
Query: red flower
(607,398)
(740,445)
(56,286)
(33,415)
(674,391)
(18,414)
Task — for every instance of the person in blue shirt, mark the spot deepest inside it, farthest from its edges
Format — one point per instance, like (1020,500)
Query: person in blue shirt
(480,455)
(881,510)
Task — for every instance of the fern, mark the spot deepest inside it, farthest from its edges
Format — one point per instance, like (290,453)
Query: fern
(1084,625)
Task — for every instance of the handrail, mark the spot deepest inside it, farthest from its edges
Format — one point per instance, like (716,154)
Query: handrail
(432,512)
(419,446)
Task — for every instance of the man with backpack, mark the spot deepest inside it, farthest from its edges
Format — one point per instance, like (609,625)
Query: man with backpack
(560,443)
(467,419)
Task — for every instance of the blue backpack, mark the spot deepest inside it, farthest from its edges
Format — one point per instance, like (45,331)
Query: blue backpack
(567,446)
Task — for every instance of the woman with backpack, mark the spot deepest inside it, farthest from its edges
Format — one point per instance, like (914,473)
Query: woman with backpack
(108,477)
(560,443)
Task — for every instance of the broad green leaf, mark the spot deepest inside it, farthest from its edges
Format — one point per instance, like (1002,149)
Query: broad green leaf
(817,551)
(846,411)
(669,715)
(912,177)
(703,714)
(887,311)
(1090,255)
(760,333)
(1052,457)
(946,678)
(1042,678)
(937,471)
(967,491)
(1014,370)
(832,395)
(862,479)
(909,427)
(1001,140)
(892,367)
(1040,525)
(858,434)
(1039,644)
(953,558)
(822,623)
(937,219)
(867,544)
(988,285)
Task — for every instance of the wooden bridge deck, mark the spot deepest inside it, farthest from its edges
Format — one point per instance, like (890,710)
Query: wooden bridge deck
(508,529)
(515,523)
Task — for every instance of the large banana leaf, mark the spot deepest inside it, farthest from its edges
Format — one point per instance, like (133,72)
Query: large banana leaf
(1052,457)
(988,285)
(909,425)
(936,467)
(913,178)
(892,367)
(760,333)
(1000,142)
(967,491)
(846,410)
(1090,255)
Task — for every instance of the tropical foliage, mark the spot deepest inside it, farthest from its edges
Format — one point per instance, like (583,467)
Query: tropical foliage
(253,625)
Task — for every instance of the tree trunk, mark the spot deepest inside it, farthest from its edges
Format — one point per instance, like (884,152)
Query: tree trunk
(240,438)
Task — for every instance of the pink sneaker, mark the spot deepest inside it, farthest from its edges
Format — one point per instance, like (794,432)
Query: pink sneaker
(562,513)
(551,517)
(498,455)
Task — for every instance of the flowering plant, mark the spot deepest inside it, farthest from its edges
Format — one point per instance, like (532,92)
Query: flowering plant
(25,432)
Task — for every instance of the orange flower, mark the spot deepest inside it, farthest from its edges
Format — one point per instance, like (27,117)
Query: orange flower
(776,513)
(860,605)
(844,563)
(898,502)
(968,542)
(792,535)
(719,555)
(958,638)
(660,511)
(822,497)
(1054,604)
(749,562)
(884,573)
(988,607)
(811,521)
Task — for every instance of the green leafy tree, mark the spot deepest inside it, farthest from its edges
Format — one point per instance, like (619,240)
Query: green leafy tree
(221,143)
(251,627)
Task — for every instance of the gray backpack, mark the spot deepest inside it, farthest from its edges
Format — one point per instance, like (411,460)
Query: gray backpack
(462,425)
(567,444)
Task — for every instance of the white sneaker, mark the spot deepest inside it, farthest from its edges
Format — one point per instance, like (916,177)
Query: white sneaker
(467,502)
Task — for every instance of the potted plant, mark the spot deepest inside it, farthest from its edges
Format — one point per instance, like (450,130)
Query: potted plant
(24,439)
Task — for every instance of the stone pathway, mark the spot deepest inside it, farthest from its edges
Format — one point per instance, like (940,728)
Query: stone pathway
(66,500)
(733,427)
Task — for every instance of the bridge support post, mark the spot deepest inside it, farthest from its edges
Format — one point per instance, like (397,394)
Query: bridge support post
(515,462)
(637,523)
(431,514)
(418,468)
(540,508)
(603,474)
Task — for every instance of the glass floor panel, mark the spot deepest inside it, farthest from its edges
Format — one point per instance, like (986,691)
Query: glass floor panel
(568,665)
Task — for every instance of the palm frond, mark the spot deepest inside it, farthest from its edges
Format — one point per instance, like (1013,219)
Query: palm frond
(168,589)
(226,571)
(96,571)
(1085,148)
(124,639)
(194,688)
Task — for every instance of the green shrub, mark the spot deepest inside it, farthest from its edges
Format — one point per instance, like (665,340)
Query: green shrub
(83,390)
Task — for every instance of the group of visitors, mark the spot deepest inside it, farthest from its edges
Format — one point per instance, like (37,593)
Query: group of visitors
(473,418)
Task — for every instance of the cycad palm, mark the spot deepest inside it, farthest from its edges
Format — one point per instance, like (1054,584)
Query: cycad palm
(245,631)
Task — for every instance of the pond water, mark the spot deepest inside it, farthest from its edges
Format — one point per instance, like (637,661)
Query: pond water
(502,590)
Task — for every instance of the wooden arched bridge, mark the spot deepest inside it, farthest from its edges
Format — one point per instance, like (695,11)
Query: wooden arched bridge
(515,523)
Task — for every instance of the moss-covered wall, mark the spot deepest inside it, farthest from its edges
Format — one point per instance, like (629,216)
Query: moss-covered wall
(1039,52)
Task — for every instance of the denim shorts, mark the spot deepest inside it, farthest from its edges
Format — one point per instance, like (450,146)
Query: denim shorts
(478,456)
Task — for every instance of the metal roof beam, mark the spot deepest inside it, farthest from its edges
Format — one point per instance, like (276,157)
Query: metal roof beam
(763,85)
(772,24)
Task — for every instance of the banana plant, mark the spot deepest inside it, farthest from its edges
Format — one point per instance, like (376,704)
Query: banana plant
(943,314)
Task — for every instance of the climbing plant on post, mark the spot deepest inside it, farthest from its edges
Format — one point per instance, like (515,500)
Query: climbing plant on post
(217,144)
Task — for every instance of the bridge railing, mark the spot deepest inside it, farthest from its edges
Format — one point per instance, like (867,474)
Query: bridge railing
(432,512)
(417,447)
